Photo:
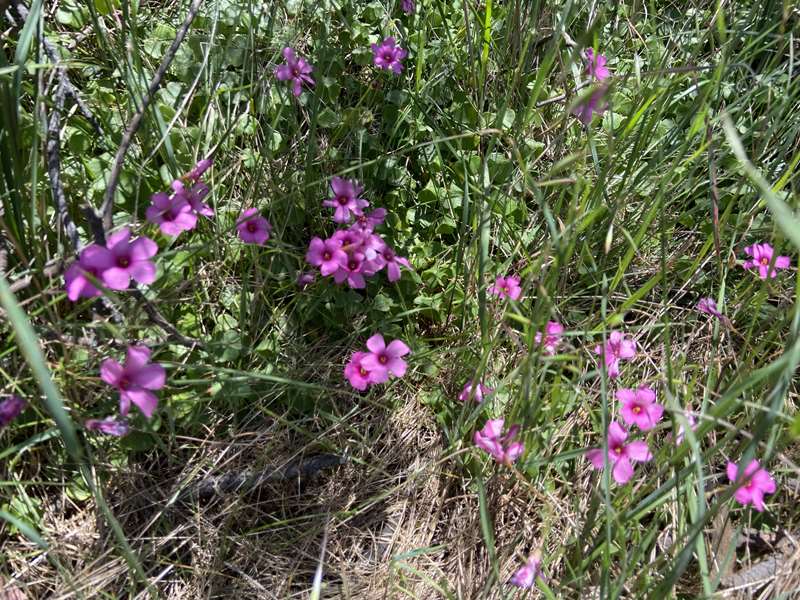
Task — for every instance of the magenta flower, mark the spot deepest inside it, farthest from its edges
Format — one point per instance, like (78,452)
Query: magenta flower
(296,70)
(10,408)
(367,223)
(639,407)
(407,6)
(383,359)
(620,454)
(506,287)
(588,105)
(761,257)
(306,278)
(357,374)
(93,260)
(351,271)
(172,214)
(616,348)
(131,260)
(345,199)
(474,392)
(388,55)
(552,337)
(527,574)
(708,306)
(253,228)
(393,263)
(327,255)
(135,380)
(108,426)
(754,484)
(596,66)
(194,195)
(501,447)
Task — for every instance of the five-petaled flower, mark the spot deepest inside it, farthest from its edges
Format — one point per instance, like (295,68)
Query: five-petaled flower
(761,257)
(93,261)
(346,199)
(506,287)
(474,392)
(327,255)
(620,454)
(754,483)
(639,407)
(596,65)
(10,408)
(388,55)
(526,575)
(172,214)
(131,260)
(357,374)
(616,348)
(384,359)
(296,70)
(501,447)
(552,337)
(109,426)
(253,228)
(135,380)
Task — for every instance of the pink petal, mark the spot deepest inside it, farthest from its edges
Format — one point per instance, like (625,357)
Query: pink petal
(397,348)
(733,470)
(116,278)
(151,377)
(638,451)
(144,399)
(137,357)
(595,456)
(120,237)
(622,471)
(143,271)
(376,344)
(143,248)
(111,371)
(616,434)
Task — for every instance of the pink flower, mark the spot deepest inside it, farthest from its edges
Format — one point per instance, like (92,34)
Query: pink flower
(367,223)
(306,278)
(296,70)
(596,66)
(392,262)
(708,306)
(755,483)
(351,271)
(388,55)
(639,407)
(761,257)
(620,454)
(383,359)
(474,392)
(135,380)
(93,260)
(357,374)
(527,574)
(10,408)
(253,228)
(552,337)
(131,260)
(194,195)
(408,6)
(616,348)
(501,447)
(172,214)
(327,255)
(506,287)
(108,426)
(345,199)
(588,105)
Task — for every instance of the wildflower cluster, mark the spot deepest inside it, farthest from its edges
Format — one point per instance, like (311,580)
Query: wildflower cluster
(179,210)
(353,254)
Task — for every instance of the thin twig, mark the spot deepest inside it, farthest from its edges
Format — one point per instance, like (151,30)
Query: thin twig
(136,121)
(157,318)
